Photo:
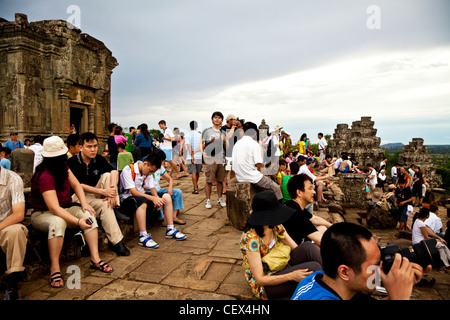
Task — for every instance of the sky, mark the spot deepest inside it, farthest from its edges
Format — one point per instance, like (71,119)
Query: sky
(303,65)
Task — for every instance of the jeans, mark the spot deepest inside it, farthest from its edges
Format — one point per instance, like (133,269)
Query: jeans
(177,199)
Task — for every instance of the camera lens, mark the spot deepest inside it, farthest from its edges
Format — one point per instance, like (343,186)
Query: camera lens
(423,253)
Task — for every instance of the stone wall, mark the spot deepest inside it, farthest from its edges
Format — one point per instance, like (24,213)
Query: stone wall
(52,76)
(360,142)
(416,153)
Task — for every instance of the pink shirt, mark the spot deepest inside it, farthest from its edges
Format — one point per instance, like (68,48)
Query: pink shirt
(120,139)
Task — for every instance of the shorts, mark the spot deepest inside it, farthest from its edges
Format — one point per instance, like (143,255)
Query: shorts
(168,153)
(194,168)
(214,172)
(129,205)
(403,214)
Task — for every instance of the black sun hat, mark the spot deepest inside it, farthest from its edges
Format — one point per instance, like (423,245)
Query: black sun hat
(267,211)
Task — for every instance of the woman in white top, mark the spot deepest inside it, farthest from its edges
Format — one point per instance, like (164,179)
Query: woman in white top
(420,231)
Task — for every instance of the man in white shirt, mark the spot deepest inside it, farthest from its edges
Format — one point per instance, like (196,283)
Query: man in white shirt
(37,149)
(166,145)
(322,147)
(247,161)
(194,154)
(394,173)
(434,222)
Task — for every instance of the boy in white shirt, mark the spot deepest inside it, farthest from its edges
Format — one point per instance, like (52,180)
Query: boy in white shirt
(132,180)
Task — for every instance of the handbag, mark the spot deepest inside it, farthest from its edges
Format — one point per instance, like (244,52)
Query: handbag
(278,257)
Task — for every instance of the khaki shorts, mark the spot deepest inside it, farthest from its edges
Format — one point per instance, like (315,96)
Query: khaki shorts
(214,172)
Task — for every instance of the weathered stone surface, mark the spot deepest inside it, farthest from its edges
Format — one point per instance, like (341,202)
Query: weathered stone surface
(239,202)
(359,142)
(352,186)
(50,77)
(416,153)
(378,218)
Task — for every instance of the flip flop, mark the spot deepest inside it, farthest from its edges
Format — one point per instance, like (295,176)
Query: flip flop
(56,280)
(102,266)
(181,222)
(195,192)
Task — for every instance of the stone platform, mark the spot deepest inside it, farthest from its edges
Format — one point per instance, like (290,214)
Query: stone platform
(207,266)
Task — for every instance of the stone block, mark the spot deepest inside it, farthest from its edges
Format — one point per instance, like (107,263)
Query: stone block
(378,218)
(239,202)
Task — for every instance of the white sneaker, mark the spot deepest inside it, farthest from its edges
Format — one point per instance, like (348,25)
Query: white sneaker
(147,242)
(175,234)
(221,202)
(208,204)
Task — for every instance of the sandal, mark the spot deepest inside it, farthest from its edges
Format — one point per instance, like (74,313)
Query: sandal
(102,266)
(195,192)
(56,280)
(181,222)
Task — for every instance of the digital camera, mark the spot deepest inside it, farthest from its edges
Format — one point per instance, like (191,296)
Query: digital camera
(423,253)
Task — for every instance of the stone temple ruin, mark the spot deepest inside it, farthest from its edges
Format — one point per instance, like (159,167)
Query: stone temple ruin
(360,142)
(416,153)
(52,76)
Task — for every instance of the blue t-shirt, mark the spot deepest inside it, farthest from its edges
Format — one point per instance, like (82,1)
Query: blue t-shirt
(310,289)
(142,142)
(14,145)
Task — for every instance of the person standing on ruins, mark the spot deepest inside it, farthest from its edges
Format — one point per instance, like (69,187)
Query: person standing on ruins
(194,154)
(213,141)
(322,147)
(13,143)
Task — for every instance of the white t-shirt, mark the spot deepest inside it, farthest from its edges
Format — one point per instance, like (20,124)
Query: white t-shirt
(322,143)
(417,235)
(337,163)
(166,144)
(373,173)
(193,138)
(434,222)
(305,170)
(246,154)
(127,182)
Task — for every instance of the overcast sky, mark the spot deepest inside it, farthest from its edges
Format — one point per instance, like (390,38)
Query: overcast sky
(303,65)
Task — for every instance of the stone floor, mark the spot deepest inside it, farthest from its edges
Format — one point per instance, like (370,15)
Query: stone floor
(207,266)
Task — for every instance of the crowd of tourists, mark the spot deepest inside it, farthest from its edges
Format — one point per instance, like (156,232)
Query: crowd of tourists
(285,246)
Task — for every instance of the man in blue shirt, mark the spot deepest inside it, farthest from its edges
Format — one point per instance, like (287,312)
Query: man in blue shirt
(350,258)
(13,144)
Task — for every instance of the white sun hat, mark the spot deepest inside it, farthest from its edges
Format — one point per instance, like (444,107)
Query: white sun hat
(53,147)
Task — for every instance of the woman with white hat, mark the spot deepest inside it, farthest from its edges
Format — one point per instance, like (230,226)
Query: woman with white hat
(54,210)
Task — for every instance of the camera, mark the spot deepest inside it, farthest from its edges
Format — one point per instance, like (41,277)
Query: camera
(89,221)
(423,253)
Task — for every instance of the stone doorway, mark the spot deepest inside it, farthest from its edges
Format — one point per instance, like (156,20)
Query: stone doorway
(79,117)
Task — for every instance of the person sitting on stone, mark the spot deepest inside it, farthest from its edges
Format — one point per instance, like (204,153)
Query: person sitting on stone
(73,143)
(133,196)
(270,277)
(175,203)
(302,224)
(248,163)
(54,210)
(327,166)
(13,234)
(318,181)
(99,181)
